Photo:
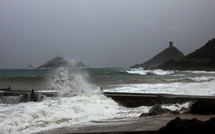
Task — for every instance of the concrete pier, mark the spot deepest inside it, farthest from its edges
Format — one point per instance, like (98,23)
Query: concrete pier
(24,92)
(125,99)
(139,99)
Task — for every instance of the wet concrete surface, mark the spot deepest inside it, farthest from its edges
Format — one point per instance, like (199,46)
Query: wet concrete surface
(144,125)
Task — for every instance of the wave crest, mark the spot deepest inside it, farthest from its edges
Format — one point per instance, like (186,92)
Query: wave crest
(141,71)
(69,82)
(192,79)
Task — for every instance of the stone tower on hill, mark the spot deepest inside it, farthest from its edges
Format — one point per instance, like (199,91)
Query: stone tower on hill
(171,44)
(201,59)
(167,54)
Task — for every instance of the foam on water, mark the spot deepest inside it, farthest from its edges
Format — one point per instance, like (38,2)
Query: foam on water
(67,111)
(181,88)
(56,112)
(141,71)
(192,79)
(201,72)
(78,102)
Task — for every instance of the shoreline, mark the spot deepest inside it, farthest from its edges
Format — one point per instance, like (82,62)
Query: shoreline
(144,125)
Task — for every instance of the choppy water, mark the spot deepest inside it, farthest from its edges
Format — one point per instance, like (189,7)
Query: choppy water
(89,104)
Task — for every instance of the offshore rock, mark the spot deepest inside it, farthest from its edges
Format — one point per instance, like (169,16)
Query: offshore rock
(203,107)
(30,67)
(157,110)
(59,62)
(194,126)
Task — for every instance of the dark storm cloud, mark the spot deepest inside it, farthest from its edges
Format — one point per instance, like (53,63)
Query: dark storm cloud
(100,32)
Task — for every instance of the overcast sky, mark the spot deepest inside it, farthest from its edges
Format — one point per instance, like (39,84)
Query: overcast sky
(100,33)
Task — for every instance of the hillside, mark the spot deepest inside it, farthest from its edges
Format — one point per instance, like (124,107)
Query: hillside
(202,59)
(167,54)
(58,62)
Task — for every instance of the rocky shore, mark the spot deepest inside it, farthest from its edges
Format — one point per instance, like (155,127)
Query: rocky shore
(198,119)
(193,126)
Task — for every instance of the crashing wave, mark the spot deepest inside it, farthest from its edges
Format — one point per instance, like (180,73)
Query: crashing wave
(141,71)
(192,79)
(70,82)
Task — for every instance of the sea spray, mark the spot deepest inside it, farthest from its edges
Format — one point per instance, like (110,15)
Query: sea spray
(56,112)
(84,108)
(88,104)
(72,81)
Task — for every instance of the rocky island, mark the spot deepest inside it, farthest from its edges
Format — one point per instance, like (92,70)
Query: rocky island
(58,62)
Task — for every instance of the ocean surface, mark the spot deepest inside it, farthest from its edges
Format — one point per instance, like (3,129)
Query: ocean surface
(80,99)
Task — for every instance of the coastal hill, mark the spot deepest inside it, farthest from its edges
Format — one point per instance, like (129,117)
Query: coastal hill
(167,54)
(58,62)
(202,59)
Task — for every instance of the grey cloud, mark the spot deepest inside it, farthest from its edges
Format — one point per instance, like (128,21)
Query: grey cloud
(100,33)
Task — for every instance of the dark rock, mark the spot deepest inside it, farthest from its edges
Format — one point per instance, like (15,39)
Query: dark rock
(33,97)
(157,110)
(24,98)
(203,107)
(194,126)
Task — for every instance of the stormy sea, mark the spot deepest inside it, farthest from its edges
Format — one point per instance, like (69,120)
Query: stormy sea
(80,99)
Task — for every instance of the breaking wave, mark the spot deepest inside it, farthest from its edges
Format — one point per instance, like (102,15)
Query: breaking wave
(201,72)
(141,71)
(68,82)
(192,79)
(78,102)
(55,112)
(181,88)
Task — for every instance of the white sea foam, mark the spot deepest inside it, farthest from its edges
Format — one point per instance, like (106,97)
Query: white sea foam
(177,106)
(87,105)
(69,82)
(141,71)
(61,112)
(200,72)
(192,79)
(56,112)
(203,88)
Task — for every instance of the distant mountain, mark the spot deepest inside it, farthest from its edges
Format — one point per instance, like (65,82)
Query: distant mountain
(202,59)
(58,62)
(167,54)
(30,67)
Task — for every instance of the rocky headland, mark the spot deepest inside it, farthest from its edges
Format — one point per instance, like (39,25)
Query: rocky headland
(201,59)
(167,54)
(173,59)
